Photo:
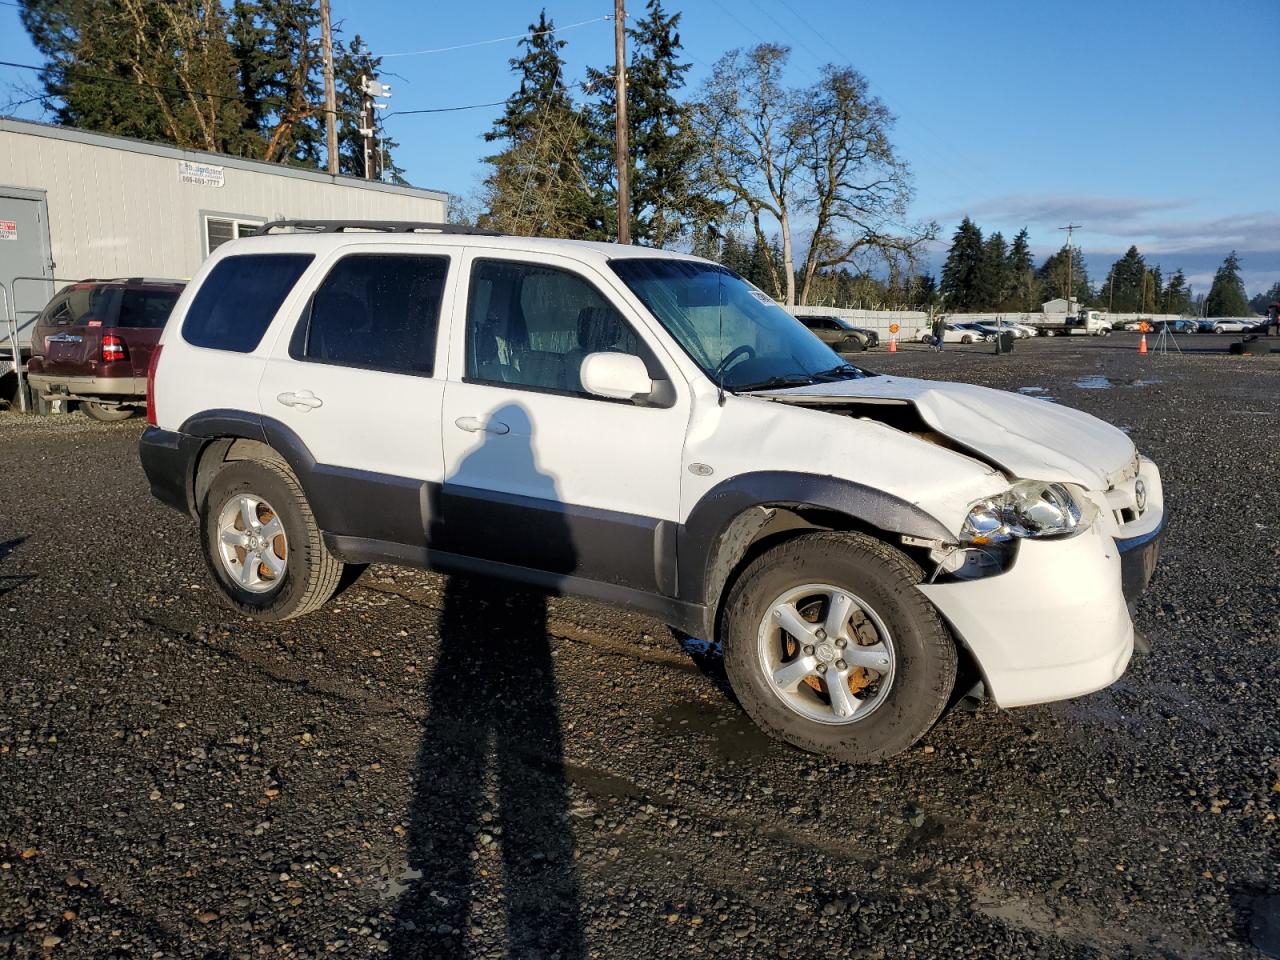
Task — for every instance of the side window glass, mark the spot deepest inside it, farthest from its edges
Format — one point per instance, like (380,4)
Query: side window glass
(58,312)
(239,298)
(377,312)
(146,308)
(530,325)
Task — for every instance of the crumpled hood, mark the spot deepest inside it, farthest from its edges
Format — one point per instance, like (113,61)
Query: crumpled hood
(1031,439)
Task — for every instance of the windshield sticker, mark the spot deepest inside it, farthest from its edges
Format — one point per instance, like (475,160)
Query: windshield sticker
(762,296)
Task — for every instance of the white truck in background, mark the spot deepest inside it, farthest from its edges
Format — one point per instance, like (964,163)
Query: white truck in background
(1089,322)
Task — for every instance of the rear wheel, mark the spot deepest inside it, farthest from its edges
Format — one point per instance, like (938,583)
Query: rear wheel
(829,646)
(105,412)
(966,339)
(261,542)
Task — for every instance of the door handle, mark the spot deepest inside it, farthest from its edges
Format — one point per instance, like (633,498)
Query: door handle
(476,425)
(301,400)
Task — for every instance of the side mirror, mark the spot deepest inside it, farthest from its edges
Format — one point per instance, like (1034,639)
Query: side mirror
(618,376)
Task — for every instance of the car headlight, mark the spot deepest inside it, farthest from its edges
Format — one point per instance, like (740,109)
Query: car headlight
(1028,509)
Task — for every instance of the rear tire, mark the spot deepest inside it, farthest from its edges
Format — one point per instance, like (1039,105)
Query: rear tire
(310,572)
(966,339)
(104,413)
(891,710)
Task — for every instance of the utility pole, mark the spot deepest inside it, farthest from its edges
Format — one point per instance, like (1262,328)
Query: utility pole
(330,98)
(366,125)
(1071,279)
(370,87)
(620,120)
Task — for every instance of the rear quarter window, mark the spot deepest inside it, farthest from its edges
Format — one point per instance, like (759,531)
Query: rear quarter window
(146,308)
(238,299)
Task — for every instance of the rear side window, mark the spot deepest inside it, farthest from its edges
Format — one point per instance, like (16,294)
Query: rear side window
(376,312)
(238,299)
(146,308)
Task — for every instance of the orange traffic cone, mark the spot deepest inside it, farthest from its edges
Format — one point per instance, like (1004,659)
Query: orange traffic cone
(893,344)
(1142,344)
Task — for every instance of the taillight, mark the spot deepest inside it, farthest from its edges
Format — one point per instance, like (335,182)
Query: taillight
(151,385)
(113,349)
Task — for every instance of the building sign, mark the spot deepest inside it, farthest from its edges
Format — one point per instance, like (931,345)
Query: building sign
(8,229)
(201,174)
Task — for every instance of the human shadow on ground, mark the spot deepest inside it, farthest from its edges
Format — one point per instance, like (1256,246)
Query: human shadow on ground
(490,807)
(14,580)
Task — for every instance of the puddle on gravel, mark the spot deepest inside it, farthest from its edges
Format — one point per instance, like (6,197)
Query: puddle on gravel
(733,736)
(1099,382)
(1040,393)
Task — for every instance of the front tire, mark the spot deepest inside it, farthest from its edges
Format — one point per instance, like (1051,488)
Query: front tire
(261,543)
(830,647)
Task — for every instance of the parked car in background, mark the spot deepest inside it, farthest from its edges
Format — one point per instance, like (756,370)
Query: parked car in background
(954,333)
(92,343)
(1175,326)
(1132,326)
(1233,325)
(1204,326)
(980,331)
(839,334)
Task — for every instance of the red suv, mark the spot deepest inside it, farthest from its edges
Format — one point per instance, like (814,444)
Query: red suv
(93,342)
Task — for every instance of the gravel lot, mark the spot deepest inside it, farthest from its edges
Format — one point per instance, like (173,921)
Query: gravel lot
(430,768)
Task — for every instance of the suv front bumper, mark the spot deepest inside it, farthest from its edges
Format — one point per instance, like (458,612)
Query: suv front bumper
(1056,624)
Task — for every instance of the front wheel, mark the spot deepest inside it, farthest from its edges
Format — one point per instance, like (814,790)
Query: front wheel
(261,542)
(830,647)
(966,339)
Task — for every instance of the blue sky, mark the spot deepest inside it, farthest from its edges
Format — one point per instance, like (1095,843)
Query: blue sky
(1151,122)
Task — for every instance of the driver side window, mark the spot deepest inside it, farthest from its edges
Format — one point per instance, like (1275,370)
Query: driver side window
(531,326)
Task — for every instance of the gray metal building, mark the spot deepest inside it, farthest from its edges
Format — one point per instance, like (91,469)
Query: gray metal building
(75,204)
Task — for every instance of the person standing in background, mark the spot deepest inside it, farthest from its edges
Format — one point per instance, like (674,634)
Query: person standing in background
(939,332)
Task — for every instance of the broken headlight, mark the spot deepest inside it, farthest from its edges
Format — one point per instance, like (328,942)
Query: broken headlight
(1028,509)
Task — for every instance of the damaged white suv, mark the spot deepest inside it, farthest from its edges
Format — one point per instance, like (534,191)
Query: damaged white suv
(646,429)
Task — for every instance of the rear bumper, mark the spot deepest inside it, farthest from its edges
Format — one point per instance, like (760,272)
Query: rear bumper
(121,388)
(168,459)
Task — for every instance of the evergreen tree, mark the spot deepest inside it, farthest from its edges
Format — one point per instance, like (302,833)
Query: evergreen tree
(1226,295)
(1022,275)
(667,196)
(1262,301)
(243,78)
(993,274)
(542,88)
(147,69)
(1052,277)
(1124,290)
(961,273)
(538,185)
(1177,295)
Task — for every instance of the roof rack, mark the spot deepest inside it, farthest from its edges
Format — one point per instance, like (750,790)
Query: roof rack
(376,226)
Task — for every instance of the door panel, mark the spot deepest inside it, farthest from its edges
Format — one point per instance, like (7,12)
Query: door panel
(337,381)
(546,477)
(24,252)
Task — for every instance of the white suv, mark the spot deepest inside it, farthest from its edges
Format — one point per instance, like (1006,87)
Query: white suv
(645,428)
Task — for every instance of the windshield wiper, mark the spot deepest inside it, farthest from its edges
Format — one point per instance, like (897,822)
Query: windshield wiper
(844,371)
(774,383)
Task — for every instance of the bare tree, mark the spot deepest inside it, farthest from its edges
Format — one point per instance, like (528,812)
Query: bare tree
(745,122)
(817,159)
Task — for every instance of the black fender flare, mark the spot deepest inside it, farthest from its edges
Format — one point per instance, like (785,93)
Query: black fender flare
(344,501)
(712,540)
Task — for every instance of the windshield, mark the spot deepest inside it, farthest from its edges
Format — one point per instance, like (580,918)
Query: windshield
(735,332)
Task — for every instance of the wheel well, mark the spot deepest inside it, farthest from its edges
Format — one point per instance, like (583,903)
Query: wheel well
(764,527)
(224,450)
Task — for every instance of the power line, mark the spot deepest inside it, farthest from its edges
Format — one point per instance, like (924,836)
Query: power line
(481,43)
